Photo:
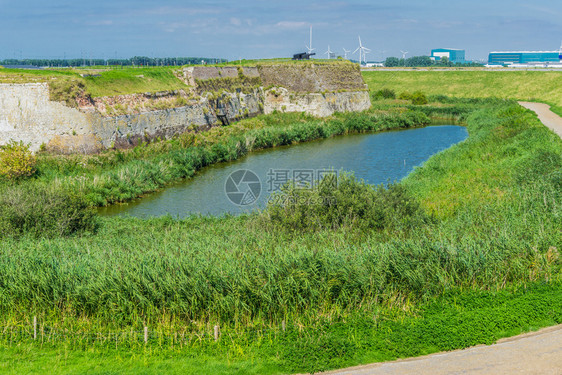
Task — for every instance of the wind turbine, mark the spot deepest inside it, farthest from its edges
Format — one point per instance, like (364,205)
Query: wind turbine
(329,53)
(362,51)
(309,47)
(404,53)
(345,52)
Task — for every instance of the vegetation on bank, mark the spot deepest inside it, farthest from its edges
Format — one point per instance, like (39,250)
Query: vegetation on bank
(117,176)
(481,245)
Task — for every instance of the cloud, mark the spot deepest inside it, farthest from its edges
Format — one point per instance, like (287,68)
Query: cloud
(168,10)
(235,21)
(291,25)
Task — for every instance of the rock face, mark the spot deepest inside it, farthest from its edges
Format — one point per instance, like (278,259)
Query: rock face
(27,114)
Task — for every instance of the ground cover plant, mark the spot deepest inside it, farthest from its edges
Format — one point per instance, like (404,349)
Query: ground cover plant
(486,250)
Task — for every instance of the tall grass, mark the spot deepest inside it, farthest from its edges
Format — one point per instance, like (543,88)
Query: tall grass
(494,231)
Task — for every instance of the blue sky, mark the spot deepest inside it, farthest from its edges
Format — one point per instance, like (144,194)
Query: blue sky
(267,28)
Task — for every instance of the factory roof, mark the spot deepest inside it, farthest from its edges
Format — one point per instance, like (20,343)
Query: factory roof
(524,52)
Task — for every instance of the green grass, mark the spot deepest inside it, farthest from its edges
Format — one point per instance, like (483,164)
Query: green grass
(469,275)
(527,85)
(457,319)
(116,81)
(134,80)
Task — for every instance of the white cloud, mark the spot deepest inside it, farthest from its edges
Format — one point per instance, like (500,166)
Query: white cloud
(291,25)
(235,21)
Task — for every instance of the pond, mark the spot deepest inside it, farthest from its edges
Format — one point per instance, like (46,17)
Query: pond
(246,184)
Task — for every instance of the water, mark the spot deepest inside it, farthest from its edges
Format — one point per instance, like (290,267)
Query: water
(376,158)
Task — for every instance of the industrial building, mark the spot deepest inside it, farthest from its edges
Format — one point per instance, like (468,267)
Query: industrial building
(524,57)
(452,54)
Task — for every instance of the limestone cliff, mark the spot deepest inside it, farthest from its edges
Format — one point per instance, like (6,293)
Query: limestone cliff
(27,114)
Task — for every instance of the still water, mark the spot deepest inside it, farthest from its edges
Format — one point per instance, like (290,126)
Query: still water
(377,158)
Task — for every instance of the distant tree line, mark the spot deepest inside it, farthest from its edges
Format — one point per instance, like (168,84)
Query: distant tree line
(133,61)
(424,61)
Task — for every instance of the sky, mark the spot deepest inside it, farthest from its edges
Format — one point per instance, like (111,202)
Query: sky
(269,28)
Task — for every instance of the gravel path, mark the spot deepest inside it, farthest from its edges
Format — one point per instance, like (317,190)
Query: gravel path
(537,353)
(547,117)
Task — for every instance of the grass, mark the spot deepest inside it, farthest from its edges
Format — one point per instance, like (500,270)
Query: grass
(520,85)
(485,266)
(455,320)
(110,82)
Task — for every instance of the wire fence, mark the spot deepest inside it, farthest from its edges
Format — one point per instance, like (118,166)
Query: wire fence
(43,333)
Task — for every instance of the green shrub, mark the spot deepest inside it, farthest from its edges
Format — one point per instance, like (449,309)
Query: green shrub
(43,212)
(352,203)
(16,161)
(405,96)
(386,93)
(419,98)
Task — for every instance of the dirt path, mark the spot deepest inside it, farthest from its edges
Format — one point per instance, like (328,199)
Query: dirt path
(537,353)
(547,117)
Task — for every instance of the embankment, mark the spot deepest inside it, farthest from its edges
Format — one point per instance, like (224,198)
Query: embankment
(29,113)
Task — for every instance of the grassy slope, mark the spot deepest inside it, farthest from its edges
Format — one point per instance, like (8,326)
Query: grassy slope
(534,86)
(265,276)
(112,81)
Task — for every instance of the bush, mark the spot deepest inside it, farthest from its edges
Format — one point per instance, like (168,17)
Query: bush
(43,212)
(384,94)
(16,161)
(405,96)
(419,98)
(352,203)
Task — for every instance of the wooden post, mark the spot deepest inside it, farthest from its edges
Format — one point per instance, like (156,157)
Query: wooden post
(283,325)
(145,335)
(35,328)
(216,333)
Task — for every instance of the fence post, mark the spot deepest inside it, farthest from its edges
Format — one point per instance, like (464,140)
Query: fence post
(145,334)
(216,333)
(35,327)
(283,325)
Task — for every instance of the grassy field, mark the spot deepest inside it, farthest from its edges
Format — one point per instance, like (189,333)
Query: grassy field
(519,85)
(116,81)
(480,260)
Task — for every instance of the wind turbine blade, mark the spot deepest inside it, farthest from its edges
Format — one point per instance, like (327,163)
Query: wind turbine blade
(356,49)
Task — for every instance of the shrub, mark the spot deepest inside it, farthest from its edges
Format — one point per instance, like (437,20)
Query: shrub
(16,161)
(352,203)
(419,98)
(405,96)
(43,212)
(385,93)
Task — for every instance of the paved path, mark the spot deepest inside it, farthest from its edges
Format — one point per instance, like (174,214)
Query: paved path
(547,117)
(537,353)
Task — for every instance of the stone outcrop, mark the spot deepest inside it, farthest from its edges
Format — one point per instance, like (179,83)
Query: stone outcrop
(27,114)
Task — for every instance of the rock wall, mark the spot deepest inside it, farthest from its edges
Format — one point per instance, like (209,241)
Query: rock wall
(320,105)
(27,114)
